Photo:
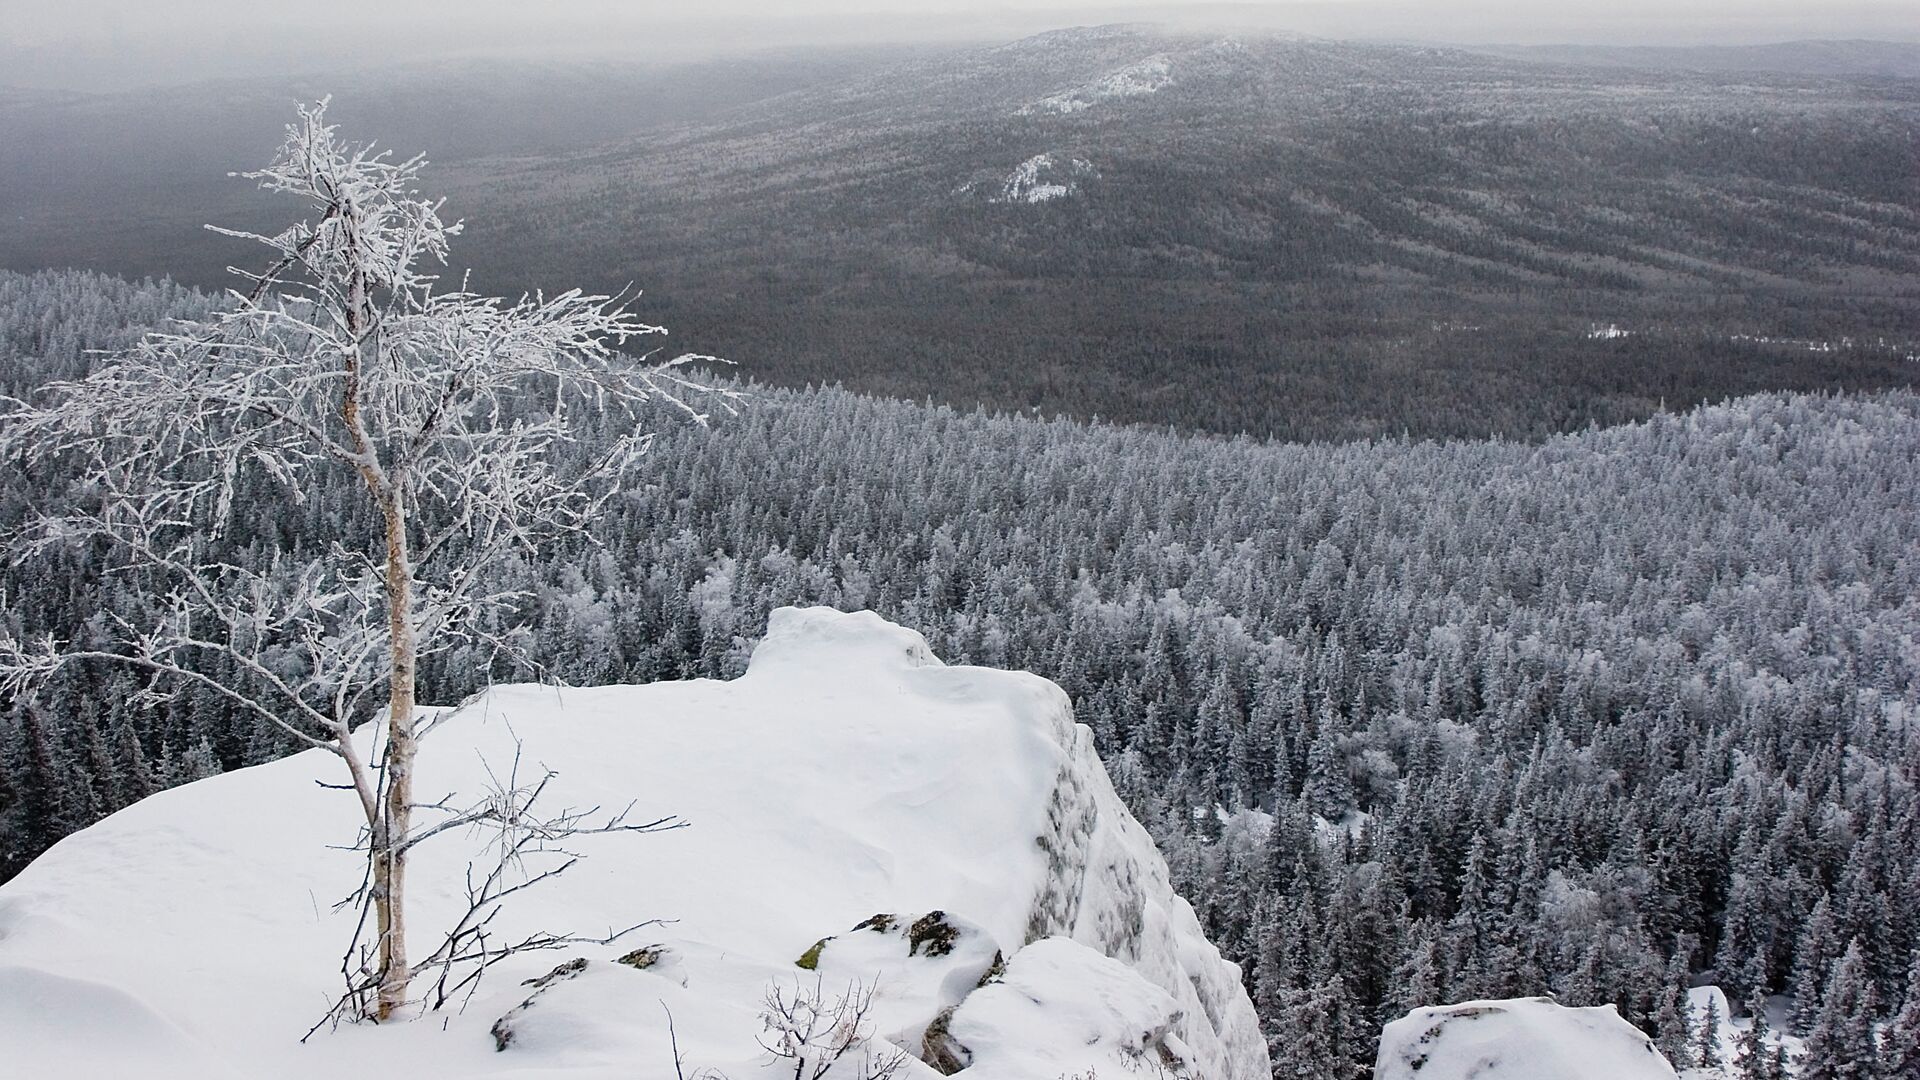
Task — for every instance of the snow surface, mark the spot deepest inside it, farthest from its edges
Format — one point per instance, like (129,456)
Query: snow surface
(1148,76)
(1062,1009)
(1517,1039)
(848,773)
(1727,1035)
(1042,178)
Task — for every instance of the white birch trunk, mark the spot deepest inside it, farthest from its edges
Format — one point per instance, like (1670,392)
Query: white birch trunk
(390,859)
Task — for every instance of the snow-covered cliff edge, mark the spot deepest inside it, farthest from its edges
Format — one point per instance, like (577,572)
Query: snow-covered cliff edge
(847,775)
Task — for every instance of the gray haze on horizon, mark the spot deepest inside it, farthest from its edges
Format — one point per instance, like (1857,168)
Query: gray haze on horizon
(120,44)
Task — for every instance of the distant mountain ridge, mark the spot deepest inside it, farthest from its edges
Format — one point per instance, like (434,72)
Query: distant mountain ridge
(1892,59)
(1275,235)
(1272,234)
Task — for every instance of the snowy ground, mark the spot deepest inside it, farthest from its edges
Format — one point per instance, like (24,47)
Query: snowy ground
(846,775)
(1043,178)
(1148,76)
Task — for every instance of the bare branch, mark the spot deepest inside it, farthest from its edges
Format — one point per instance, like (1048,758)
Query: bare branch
(461,415)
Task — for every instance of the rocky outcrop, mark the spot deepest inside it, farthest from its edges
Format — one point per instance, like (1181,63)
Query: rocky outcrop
(503,1029)
(1123,1025)
(1517,1039)
(1024,919)
(1101,881)
(1108,888)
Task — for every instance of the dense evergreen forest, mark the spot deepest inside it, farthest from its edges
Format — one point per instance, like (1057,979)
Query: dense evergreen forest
(1413,721)
(1302,239)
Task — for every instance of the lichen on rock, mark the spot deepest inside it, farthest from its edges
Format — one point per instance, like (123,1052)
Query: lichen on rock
(503,1029)
(643,957)
(940,1050)
(932,935)
(994,970)
(810,960)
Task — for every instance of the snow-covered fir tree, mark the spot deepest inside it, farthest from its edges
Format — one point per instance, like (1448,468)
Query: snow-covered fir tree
(1586,725)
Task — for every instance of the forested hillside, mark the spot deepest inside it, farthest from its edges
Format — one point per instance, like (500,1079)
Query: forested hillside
(1298,238)
(1413,721)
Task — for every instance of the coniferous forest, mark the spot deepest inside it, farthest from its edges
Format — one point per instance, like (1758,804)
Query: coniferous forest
(1299,239)
(1604,715)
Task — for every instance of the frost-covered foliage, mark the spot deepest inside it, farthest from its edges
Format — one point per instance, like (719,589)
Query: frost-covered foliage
(443,412)
(1602,712)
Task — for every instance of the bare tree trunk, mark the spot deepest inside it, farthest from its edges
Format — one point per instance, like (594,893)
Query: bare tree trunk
(260,391)
(390,856)
(389,823)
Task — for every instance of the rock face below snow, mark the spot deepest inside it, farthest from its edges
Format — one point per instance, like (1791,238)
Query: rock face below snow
(1517,1039)
(939,839)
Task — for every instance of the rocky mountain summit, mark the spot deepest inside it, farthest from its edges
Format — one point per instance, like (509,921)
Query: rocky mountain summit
(888,864)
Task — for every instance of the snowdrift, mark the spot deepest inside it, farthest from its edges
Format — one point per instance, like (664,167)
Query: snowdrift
(1517,1039)
(861,818)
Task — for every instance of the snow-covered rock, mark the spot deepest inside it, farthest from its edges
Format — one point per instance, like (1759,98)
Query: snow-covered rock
(1711,1001)
(1043,178)
(847,774)
(1151,75)
(1015,1028)
(1517,1039)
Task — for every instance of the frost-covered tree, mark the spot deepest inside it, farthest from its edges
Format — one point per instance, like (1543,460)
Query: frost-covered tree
(1813,959)
(453,414)
(1418,980)
(1900,1043)
(1672,1027)
(1753,1058)
(1556,644)
(1706,1045)
(1329,790)
(1841,1044)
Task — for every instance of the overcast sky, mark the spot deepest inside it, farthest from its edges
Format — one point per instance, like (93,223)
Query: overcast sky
(116,43)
